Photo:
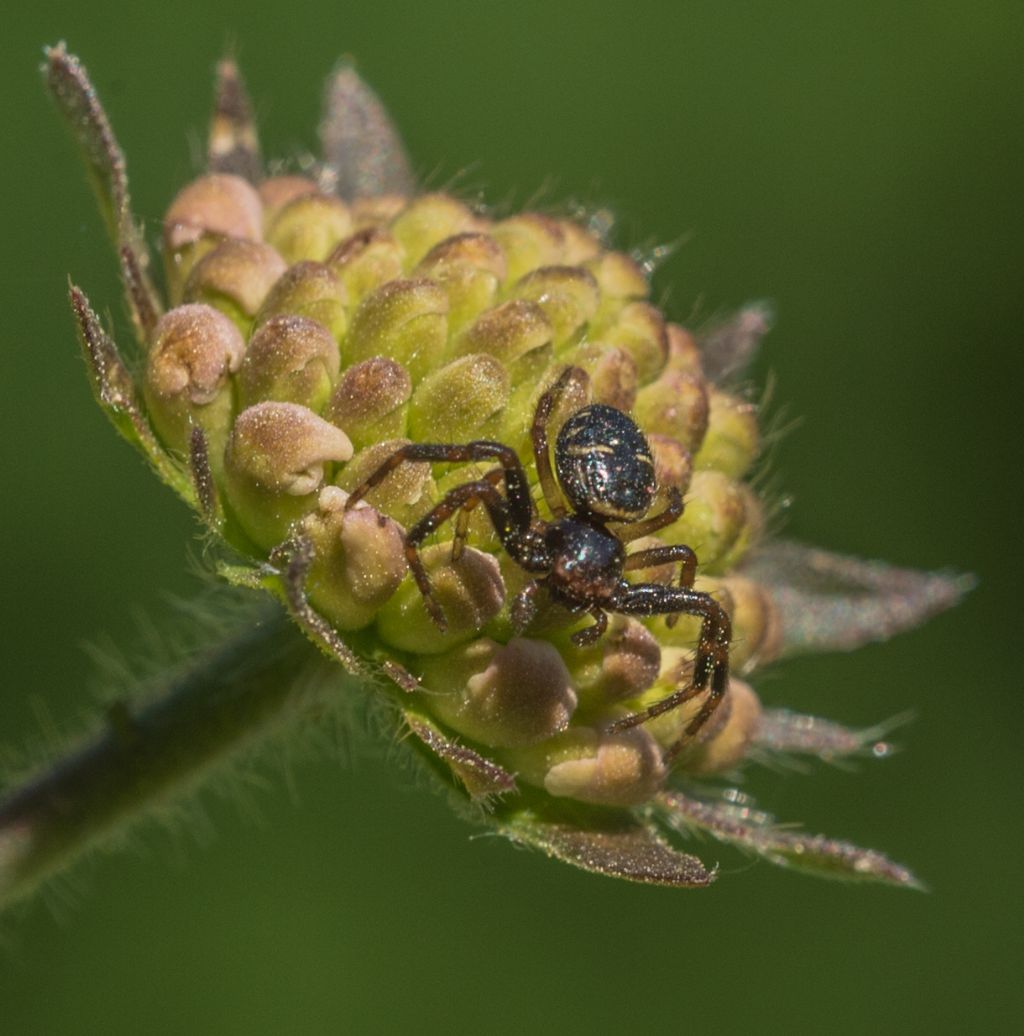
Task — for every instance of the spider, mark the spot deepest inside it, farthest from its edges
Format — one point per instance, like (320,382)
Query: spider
(605,474)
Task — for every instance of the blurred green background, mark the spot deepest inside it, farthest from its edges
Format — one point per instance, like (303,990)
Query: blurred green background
(858,163)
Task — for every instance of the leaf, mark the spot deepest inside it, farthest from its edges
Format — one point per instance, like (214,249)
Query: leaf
(830,602)
(739,825)
(729,347)
(360,143)
(480,776)
(233,144)
(114,389)
(625,849)
(780,730)
(76,97)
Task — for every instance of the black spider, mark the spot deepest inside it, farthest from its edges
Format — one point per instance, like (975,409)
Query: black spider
(605,470)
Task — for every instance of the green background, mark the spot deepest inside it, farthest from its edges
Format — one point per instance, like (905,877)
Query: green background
(858,163)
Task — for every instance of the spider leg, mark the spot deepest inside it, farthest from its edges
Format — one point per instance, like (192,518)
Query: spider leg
(589,634)
(711,668)
(462,519)
(664,555)
(672,511)
(539,436)
(455,500)
(523,609)
(520,505)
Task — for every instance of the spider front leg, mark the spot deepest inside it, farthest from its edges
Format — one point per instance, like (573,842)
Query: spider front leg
(711,668)
(539,435)
(511,515)
(664,556)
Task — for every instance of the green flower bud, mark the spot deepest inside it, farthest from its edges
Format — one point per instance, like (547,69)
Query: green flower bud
(501,695)
(456,403)
(366,260)
(469,591)
(568,295)
(427,220)
(622,664)
(529,241)
(358,560)
(750,532)
(309,227)
(235,277)
(507,332)
(375,210)
(732,440)
(277,191)
(275,465)
(404,319)
(194,351)
(371,400)
(675,405)
(407,491)
(308,289)
(470,268)
(291,360)
(620,278)
(640,331)
(605,769)
(720,520)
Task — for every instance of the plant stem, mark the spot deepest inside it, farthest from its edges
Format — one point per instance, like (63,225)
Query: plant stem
(220,701)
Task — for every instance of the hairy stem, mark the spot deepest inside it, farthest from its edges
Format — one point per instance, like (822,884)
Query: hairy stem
(221,700)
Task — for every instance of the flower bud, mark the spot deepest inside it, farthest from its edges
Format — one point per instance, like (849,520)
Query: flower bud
(529,241)
(675,405)
(507,332)
(731,739)
(455,403)
(720,520)
(640,331)
(428,219)
(277,191)
(756,623)
(215,206)
(308,289)
(683,351)
(612,373)
(407,491)
(219,204)
(568,295)
(274,466)
(290,360)
(470,268)
(622,769)
(673,462)
(374,210)
(366,260)
(469,591)
(579,244)
(358,560)
(370,401)
(404,319)
(501,695)
(309,227)
(235,277)
(621,664)
(620,278)
(194,351)
(731,442)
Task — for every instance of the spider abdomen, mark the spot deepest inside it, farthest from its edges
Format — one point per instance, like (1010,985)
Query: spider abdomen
(604,464)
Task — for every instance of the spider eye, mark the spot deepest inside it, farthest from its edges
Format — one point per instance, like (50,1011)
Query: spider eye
(604,464)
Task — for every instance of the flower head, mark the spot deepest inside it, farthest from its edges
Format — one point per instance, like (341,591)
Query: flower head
(329,354)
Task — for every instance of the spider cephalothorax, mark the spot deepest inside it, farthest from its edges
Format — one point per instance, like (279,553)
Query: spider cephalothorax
(605,472)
